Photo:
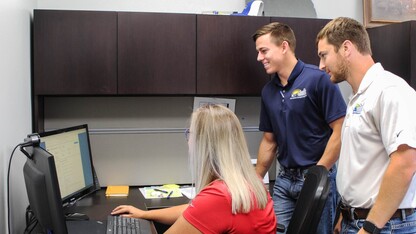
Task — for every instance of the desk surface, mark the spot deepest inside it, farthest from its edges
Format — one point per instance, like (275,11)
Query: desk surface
(98,206)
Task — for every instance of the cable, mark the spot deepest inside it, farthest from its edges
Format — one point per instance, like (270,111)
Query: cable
(8,188)
(31,221)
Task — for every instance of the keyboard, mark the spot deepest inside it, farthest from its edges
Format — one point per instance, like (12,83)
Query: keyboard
(125,225)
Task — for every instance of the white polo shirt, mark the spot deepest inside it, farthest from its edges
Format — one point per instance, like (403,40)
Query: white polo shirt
(380,117)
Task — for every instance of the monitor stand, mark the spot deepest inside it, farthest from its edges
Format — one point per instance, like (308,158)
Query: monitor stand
(76,217)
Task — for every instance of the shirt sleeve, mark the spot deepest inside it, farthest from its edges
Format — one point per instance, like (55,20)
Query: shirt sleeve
(210,211)
(265,124)
(396,123)
(332,102)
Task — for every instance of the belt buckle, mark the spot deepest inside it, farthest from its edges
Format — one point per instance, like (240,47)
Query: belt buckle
(354,216)
(405,212)
(289,170)
(350,211)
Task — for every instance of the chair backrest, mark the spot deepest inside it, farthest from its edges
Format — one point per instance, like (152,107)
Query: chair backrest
(311,202)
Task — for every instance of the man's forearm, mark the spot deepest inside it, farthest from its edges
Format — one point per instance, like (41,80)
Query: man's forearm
(394,186)
(266,154)
(262,167)
(331,153)
(333,147)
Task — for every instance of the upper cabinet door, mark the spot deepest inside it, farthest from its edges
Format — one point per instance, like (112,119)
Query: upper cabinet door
(75,52)
(398,58)
(156,53)
(226,55)
(305,30)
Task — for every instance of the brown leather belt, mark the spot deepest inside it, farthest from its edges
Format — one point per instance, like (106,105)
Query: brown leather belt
(360,213)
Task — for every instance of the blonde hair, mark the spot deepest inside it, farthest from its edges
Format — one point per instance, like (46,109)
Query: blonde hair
(218,150)
(343,28)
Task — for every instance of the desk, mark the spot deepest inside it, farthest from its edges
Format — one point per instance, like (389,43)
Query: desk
(98,206)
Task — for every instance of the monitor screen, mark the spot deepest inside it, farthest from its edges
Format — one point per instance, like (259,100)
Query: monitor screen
(71,150)
(43,191)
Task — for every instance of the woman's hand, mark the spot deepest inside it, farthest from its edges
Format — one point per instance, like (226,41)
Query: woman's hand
(166,216)
(128,211)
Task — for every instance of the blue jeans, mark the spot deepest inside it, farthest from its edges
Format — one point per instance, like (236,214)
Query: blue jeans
(405,225)
(286,192)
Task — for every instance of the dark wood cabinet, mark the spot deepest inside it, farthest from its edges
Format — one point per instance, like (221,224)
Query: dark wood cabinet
(394,46)
(85,53)
(226,55)
(156,53)
(305,31)
(75,52)
(136,53)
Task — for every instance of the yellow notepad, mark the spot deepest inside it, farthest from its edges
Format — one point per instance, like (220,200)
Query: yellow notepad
(117,190)
(164,191)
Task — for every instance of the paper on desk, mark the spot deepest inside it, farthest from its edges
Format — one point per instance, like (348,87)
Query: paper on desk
(189,192)
(151,192)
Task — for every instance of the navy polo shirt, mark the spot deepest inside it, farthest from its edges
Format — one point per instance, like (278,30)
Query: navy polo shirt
(299,114)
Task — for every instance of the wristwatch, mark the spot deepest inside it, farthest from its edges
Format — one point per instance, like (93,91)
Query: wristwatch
(371,227)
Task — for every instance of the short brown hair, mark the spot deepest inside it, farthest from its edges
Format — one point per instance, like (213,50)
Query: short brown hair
(279,32)
(342,28)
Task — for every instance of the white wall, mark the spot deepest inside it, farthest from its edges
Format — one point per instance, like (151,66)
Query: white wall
(15,117)
(330,9)
(177,6)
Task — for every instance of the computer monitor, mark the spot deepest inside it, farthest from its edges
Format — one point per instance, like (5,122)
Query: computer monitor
(71,150)
(43,191)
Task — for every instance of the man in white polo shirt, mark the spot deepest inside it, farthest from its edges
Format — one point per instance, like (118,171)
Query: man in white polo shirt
(377,164)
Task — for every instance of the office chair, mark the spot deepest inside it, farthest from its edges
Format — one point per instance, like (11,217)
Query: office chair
(311,202)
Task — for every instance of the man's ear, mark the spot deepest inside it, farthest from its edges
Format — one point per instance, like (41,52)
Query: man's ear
(285,46)
(347,47)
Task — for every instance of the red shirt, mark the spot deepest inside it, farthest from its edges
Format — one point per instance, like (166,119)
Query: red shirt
(210,212)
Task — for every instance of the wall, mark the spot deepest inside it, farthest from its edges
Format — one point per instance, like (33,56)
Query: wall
(329,9)
(177,6)
(15,117)
(132,136)
(323,9)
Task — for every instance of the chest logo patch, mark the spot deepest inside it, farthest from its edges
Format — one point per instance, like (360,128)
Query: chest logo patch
(297,93)
(358,108)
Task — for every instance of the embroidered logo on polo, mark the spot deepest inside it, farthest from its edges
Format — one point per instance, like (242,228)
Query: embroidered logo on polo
(358,108)
(297,93)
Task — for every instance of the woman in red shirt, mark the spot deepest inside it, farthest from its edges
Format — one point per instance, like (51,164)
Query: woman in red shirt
(230,198)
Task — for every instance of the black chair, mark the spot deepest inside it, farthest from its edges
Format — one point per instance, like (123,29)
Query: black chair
(311,202)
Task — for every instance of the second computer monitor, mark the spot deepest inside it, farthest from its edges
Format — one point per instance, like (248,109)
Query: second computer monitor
(43,191)
(71,150)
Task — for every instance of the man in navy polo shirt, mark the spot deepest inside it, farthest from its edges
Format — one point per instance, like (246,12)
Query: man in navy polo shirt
(302,113)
